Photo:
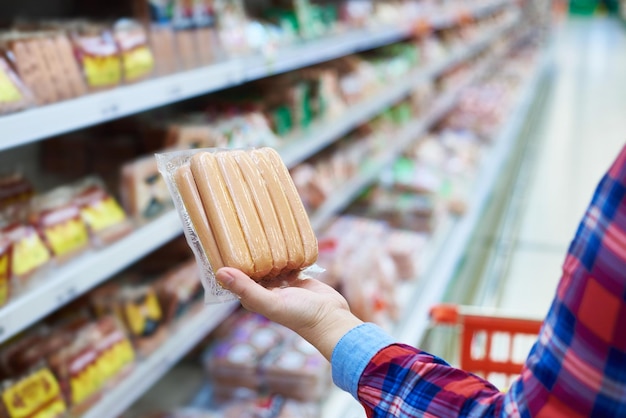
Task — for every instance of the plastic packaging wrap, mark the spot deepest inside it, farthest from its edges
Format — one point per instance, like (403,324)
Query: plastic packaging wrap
(34,394)
(233,204)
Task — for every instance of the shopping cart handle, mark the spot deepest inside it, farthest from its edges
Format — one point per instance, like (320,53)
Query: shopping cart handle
(445,313)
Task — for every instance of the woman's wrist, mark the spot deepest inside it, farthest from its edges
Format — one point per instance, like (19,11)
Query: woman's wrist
(327,332)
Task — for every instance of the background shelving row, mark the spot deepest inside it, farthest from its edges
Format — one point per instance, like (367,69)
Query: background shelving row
(91,269)
(449,244)
(100,107)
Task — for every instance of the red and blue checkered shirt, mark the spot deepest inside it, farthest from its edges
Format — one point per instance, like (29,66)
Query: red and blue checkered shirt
(577,367)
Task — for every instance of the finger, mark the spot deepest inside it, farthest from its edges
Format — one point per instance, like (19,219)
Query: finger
(252,295)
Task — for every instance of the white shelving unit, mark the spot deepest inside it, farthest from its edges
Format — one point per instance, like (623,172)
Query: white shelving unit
(449,244)
(151,369)
(42,122)
(95,267)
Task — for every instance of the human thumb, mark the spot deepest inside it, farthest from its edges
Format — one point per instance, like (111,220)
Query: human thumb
(252,295)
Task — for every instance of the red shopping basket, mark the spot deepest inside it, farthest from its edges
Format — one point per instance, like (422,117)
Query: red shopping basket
(489,340)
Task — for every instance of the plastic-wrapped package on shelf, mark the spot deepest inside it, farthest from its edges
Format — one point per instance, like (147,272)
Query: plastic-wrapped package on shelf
(35,392)
(179,291)
(14,95)
(254,353)
(138,308)
(137,60)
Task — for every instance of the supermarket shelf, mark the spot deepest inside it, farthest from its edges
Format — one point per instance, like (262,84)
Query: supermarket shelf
(148,371)
(42,122)
(80,275)
(343,196)
(93,268)
(449,245)
(325,132)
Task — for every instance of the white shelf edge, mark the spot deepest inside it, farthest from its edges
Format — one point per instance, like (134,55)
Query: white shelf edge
(47,294)
(41,122)
(149,370)
(93,268)
(441,265)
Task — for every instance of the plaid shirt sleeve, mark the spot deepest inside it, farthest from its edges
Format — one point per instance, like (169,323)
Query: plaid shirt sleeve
(577,367)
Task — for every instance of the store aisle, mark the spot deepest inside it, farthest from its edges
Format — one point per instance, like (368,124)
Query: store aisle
(584,127)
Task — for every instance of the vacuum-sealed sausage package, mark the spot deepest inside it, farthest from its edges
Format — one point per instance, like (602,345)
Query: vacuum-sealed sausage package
(240,208)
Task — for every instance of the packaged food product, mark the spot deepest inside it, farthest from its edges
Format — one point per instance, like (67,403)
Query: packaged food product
(190,136)
(179,291)
(29,253)
(132,42)
(162,44)
(186,46)
(35,394)
(233,204)
(296,370)
(99,354)
(104,217)
(58,219)
(144,192)
(98,56)
(15,189)
(235,359)
(138,308)
(68,64)
(14,95)
(25,54)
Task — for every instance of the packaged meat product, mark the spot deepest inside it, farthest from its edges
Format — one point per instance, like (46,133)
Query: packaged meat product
(69,65)
(29,253)
(162,44)
(99,354)
(36,393)
(98,56)
(104,217)
(138,308)
(14,95)
(190,136)
(186,46)
(233,204)
(59,221)
(296,370)
(179,290)
(15,189)
(235,360)
(405,248)
(144,192)
(134,48)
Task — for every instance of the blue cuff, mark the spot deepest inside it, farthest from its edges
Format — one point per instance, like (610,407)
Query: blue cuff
(353,353)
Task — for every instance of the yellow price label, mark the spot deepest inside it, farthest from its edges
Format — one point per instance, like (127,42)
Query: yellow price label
(67,236)
(103,214)
(138,63)
(8,92)
(29,253)
(102,71)
(28,396)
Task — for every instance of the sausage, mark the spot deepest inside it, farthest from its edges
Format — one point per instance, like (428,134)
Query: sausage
(248,217)
(191,198)
(221,213)
(288,225)
(309,241)
(265,210)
